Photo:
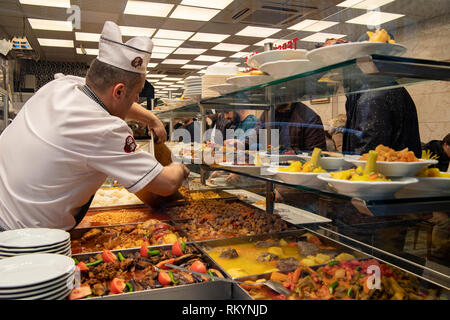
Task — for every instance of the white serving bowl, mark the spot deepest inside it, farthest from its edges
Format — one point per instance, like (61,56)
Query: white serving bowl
(286,68)
(307,179)
(249,169)
(248,81)
(267,157)
(366,189)
(330,163)
(274,55)
(222,88)
(431,185)
(394,169)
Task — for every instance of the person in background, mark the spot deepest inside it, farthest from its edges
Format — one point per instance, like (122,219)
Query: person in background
(329,141)
(193,127)
(336,130)
(440,148)
(242,120)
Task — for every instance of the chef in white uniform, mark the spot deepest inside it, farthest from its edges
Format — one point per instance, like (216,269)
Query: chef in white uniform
(71,135)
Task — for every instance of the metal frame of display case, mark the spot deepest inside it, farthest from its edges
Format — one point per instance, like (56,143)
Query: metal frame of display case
(5,108)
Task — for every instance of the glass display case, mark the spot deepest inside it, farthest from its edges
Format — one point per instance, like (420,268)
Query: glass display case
(3,109)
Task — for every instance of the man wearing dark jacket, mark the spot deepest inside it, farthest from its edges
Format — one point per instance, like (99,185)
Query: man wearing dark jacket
(442,150)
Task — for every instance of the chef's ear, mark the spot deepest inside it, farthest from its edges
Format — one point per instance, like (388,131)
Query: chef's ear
(118,91)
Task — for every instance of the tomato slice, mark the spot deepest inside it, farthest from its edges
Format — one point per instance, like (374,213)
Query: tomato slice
(177,249)
(82,266)
(144,251)
(161,226)
(108,256)
(164,278)
(117,285)
(198,266)
(79,293)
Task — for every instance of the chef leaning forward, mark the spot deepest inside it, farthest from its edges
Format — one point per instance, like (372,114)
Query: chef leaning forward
(71,135)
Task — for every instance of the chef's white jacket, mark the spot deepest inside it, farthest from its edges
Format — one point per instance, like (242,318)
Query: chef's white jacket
(58,151)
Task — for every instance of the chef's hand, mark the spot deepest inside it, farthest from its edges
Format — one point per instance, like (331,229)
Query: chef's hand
(232,178)
(181,169)
(216,174)
(158,129)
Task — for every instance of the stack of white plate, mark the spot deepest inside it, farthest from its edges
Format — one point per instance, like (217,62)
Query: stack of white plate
(34,240)
(36,277)
(192,86)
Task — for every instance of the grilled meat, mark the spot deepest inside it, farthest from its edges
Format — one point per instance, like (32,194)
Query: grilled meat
(229,254)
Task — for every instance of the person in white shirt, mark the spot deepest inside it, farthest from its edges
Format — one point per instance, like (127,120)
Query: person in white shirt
(71,135)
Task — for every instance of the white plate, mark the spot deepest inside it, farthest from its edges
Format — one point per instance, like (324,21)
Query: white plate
(67,279)
(64,244)
(274,55)
(249,81)
(287,68)
(307,179)
(249,169)
(32,269)
(431,185)
(267,157)
(58,250)
(326,56)
(222,88)
(330,163)
(66,252)
(366,189)
(56,288)
(394,169)
(49,296)
(32,237)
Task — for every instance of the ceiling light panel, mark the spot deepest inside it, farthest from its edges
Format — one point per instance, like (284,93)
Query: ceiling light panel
(175,61)
(366,4)
(56,43)
(85,36)
(170,89)
(375,18)
(177,85)
(201,71)
(47,3)
(55,25)
(89,52)
(313,25)
(193,66)
(158,49)
(157,55)
(193,13)
(260,32)
(230,47)
(322,37)
(144,8)
(162,83)
(153,80)
(152,65)
(173,34)
(172,79)
(213,4)
(136,31)
(209,37)
(156,75)
(192,51)
(167,42)
(208,58)
(241,54)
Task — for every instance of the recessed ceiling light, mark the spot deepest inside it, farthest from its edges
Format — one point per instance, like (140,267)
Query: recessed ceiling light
(375,18)
(193,51)
(93,52)
(157,55)
(230,47)
(85,36)
(214,4)
(136,31)
(143,8)
(156,75)
(167,42)
(366,4)
(153,80)
(201,71)
(152,65)
(193,13)
(170,89)
(175,61)
(171,79)
(47,3)
(313,25)
(209,37)
(173,34)
(241,54)
(193,66)
(182,81)
(260,32)
(56,43)
(55,25)
(159,87)
(158,49)
(322,37)
(177,85)
(165,83)
(208,58)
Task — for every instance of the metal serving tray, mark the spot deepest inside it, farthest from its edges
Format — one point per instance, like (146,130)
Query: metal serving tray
(214,290)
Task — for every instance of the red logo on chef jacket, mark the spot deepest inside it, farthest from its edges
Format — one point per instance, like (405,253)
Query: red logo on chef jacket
(137,62)
(130,145)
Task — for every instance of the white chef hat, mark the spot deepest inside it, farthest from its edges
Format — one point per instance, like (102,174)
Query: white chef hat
(133,55)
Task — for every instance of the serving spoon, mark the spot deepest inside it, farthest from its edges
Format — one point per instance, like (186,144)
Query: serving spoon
(275,286)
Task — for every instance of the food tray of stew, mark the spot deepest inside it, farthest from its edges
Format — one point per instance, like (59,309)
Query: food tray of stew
(108,216)
(283,251)
(344,280)
(219,219)
(151,232)
(120,273)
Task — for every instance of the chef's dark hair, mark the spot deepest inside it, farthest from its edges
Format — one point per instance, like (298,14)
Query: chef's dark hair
(102,76)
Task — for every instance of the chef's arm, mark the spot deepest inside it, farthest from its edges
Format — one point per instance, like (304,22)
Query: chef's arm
(165,184)
(139,113)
